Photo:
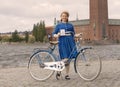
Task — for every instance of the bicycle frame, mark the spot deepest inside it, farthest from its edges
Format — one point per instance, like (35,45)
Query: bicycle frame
(59,65)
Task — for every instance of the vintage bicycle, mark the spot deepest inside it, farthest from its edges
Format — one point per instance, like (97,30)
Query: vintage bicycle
(44,62)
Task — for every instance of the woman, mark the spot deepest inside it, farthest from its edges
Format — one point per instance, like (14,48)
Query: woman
(65,33)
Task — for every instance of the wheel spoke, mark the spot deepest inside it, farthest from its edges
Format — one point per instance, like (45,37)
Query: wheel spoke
(36,65)
(88,65)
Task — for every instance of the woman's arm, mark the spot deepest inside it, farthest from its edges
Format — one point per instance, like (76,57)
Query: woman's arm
(56,33)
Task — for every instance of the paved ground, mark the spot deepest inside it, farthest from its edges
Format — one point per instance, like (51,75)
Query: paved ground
(14,73)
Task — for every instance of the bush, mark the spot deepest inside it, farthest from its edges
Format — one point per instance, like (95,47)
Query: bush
(31,39)
(45,39)
(117,41)
(6,39)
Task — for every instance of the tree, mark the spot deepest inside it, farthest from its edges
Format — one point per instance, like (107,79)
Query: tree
(43,31)
(15,36)
(39,31)
(34,31)
(26,36)
(0,38)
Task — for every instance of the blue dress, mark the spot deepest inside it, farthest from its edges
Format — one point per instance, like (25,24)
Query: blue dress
(66,43)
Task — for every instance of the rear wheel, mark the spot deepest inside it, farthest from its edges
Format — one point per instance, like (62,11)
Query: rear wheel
(36,65)
(88,65)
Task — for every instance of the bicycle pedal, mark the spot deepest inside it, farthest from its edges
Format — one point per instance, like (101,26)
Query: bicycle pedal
(42,65)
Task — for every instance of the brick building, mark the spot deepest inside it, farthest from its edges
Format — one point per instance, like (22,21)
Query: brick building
(98,27)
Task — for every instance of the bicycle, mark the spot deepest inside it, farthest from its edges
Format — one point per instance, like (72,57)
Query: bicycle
(43,63)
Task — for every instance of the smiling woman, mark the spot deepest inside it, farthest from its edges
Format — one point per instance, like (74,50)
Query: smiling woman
(64,31)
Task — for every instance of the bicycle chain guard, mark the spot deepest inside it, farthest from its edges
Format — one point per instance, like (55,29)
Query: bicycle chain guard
(57,66)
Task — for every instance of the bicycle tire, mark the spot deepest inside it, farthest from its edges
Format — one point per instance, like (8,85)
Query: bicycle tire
(36,71)
(88,65)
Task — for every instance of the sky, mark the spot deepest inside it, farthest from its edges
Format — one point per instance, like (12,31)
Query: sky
(21,15)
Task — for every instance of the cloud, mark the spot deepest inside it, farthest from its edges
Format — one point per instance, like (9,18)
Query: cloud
(114,9)
(22,14)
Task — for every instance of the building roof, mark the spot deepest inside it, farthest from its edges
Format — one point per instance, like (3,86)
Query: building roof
(80,22)
(114,21)
(87,21)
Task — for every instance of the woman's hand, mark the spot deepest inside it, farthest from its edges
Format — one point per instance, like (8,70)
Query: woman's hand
(56,35)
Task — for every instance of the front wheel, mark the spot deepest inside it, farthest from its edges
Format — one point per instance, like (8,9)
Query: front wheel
(88,65)
(36,65)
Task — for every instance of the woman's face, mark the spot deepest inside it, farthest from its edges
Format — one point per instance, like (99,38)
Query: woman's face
(64,17)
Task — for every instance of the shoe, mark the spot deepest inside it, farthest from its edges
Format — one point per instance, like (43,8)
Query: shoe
(58,75)
(67,77)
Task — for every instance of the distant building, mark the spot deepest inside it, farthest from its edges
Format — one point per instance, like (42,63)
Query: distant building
(98,27)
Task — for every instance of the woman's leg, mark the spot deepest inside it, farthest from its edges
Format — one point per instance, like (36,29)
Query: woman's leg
(67,67)
(67,72)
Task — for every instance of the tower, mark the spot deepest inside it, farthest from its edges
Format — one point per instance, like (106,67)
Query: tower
(98,19)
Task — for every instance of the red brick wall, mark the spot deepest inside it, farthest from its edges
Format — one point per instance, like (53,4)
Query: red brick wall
(84,29)
(98,17)
(49,29)
(114,32)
